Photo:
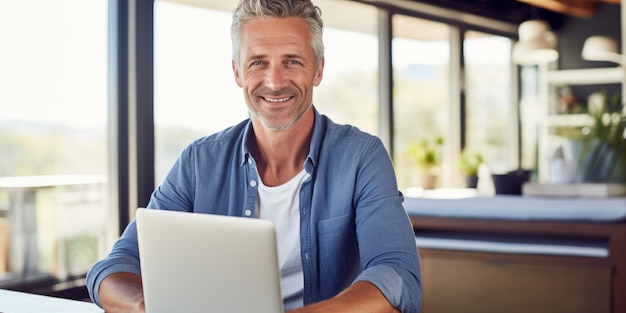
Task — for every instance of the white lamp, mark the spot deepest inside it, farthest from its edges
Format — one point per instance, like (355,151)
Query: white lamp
(601,48)
(536,45)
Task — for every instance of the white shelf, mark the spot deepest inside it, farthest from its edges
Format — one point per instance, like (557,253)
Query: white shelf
(552,80)
(591,76)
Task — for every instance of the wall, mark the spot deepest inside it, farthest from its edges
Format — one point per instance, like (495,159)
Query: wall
(572,33)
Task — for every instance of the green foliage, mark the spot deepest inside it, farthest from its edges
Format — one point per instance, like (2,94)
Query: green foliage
(603,155)
(426,154)
(569,132)
(171,141)
(46,149)
(609,120)
(469,162)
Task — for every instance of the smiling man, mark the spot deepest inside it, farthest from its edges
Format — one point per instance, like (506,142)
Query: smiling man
(277,70)
(345,242)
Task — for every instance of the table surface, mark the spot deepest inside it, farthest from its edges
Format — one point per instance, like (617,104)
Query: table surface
(20,302)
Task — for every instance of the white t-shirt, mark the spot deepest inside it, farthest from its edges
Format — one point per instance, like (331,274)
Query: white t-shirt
(281,205)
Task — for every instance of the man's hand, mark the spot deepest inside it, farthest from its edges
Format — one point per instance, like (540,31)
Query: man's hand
(122,292)
(361,297)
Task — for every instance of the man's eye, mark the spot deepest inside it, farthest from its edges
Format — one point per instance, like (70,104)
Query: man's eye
(293,62)
(254,63)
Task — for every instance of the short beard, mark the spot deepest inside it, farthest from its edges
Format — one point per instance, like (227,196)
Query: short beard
(270,126)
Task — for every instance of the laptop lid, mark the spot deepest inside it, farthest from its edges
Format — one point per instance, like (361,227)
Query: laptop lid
(194,262)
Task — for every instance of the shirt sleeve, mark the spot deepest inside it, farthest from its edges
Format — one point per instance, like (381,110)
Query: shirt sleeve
(124,257)
(387,247)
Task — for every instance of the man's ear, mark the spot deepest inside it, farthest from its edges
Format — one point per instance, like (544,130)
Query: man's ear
(236,73)
(319,73)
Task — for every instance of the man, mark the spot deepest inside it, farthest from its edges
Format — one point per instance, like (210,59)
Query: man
(345,241)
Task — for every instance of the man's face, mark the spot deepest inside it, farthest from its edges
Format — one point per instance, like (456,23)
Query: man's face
(277,70)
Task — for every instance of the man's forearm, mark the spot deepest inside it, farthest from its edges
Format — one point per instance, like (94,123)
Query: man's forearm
(122,292)
(361,297)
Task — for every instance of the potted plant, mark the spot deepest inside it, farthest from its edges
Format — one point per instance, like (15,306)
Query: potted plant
(426,155)
(469,162)
(603,155)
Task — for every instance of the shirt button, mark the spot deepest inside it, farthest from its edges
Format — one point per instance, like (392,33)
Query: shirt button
(253,183)
(248,212)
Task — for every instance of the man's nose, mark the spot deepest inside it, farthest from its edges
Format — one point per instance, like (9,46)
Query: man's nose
(276,77)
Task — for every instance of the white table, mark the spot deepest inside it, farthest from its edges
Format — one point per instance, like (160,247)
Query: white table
(20,302)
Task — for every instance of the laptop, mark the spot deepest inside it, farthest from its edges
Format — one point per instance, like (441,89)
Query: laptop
(192,262)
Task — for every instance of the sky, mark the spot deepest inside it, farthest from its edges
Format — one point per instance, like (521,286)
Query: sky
(52,61)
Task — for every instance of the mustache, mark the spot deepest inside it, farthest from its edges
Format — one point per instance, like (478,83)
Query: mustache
(265,91)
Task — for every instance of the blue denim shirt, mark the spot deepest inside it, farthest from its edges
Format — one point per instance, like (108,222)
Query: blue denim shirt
(353,226)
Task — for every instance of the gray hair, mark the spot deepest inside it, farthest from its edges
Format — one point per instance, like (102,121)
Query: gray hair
(251,9)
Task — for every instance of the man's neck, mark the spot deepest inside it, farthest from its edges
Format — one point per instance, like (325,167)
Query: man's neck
(280,155)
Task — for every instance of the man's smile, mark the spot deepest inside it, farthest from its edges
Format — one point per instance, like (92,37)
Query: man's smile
(277,100)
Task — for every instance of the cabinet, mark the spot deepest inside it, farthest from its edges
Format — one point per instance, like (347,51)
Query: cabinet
(549,119)
(462,280)
(456,281)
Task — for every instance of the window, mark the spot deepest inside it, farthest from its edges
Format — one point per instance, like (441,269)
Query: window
(195,94)
(53,137)
(421,58)
(529,103)
(348,93)
(491,113)
(195,90)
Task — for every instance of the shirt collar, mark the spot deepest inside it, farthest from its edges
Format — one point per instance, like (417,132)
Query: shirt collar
(316,141)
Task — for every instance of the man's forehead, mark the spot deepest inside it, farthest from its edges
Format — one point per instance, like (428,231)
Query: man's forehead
(261,34)
(276,27)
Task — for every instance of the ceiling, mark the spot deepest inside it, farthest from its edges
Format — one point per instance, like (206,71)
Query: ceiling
(517,11)
(575,8)
(508,10)
(502,16)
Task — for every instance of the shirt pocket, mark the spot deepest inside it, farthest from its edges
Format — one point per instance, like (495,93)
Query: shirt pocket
(338,251)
